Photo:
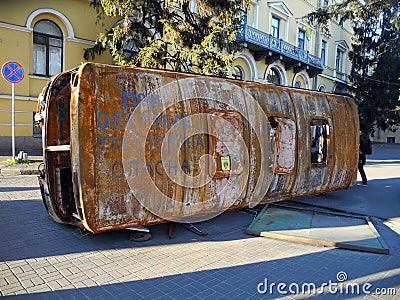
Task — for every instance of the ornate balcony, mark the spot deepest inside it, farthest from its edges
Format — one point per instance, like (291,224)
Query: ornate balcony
(266,46)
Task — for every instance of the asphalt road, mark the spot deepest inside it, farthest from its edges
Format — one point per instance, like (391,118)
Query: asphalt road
(381,198)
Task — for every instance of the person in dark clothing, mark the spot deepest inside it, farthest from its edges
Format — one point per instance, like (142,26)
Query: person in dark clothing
(362,159)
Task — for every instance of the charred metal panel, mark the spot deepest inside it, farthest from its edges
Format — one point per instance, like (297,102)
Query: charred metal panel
(228,162)
(103,102)
(141,146)
(278,106)
(59,177)
(55,106)
(311,178)
(285,147)
(59,96)
(345,139)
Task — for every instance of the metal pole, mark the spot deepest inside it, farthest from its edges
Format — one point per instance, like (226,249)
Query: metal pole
(13,119)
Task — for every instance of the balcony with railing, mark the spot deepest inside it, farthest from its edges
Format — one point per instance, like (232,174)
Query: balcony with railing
(266,46)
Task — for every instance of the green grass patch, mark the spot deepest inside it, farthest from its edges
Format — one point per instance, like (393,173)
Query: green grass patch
(16,161)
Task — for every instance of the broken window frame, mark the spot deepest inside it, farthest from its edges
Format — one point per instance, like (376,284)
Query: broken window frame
(319,149)
(279,141)
(215,146)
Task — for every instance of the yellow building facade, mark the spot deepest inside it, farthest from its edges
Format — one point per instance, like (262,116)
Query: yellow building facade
(282,48)
(47,37)
(389,136)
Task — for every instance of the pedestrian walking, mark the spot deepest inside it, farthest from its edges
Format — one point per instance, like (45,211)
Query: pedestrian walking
(362,159)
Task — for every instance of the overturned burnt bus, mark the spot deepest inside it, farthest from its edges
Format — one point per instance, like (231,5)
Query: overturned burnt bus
(126,147)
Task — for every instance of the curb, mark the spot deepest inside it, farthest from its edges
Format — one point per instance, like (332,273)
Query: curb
(15,172)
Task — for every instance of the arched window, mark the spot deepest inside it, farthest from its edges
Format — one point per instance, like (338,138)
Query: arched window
(130,49)
(47,48)
(339,88)
(302,80)
(322,88)
(131,43)
(238,73)
(273,76)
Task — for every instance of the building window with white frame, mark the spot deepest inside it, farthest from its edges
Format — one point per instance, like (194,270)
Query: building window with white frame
(301,39)
(238,73)
(129,49)
(339,57)
(390,139)
(324,45)
(47,48)
(273,77)
(275,26)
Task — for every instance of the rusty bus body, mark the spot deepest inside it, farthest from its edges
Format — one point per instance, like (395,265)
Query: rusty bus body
(307,145)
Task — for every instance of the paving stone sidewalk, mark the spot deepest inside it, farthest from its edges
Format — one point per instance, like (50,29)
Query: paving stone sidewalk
(41,259)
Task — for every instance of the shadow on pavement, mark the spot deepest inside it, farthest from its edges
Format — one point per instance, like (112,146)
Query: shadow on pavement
(379,162)
(18,189)
(31,233)
(255,280)
(379,199)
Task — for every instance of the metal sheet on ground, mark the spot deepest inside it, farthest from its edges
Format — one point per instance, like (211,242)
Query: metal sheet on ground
(320,228)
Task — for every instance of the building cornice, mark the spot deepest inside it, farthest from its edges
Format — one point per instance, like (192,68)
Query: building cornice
(333,78)
(15,27)
(303,23)
(29,30)
(18,97)
(281,7)
(342,44)
(81,41)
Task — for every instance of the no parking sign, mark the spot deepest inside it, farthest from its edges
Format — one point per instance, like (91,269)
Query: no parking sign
(12,72)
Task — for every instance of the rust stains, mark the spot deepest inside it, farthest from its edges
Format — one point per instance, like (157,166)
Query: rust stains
(131,147)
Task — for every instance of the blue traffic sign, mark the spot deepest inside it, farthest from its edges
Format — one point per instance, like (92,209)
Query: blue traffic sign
(12,72)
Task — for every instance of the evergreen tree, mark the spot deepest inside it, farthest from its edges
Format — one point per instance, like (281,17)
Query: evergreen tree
(181,35)
(375,57)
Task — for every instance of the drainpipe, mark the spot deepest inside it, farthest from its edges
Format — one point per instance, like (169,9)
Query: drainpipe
(318,47)
(318,53)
